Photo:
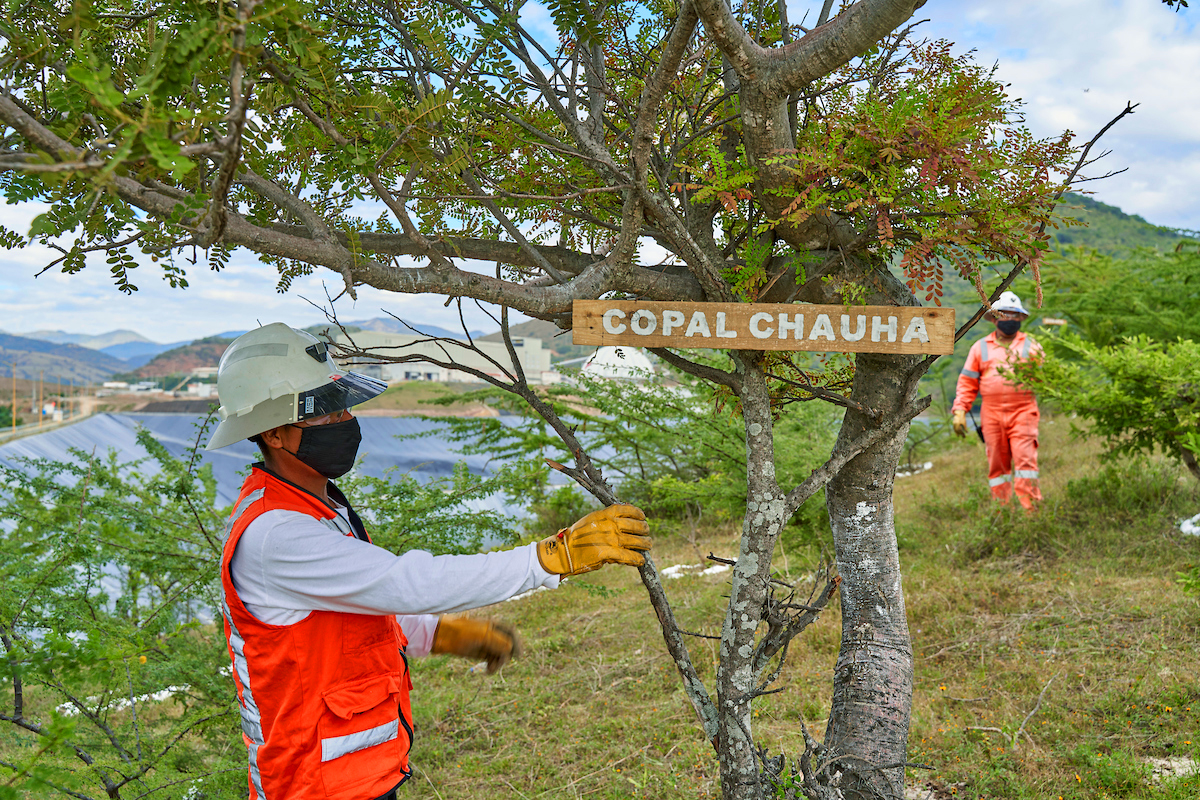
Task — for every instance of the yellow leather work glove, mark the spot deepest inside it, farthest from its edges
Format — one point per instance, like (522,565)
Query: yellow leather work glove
(613,535)
(959,423)
(493,642)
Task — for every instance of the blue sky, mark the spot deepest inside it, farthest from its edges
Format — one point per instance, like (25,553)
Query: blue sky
(1075,62)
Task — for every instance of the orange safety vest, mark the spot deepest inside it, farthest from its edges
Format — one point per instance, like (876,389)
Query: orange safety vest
(324,701)
(981,373)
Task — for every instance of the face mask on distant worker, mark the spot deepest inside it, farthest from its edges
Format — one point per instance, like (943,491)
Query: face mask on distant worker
(329,449)
(1008,327)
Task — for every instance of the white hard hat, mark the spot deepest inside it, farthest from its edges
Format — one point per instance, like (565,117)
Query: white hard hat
(276,375)
(1008,301)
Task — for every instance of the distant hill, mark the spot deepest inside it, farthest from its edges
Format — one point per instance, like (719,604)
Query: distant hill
(182,360)
(391,325)
(65,362)
(554,338)
(138,353)
(1111,231)
(98,341)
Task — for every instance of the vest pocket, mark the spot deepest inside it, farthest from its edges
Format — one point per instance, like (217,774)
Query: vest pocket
(362,736)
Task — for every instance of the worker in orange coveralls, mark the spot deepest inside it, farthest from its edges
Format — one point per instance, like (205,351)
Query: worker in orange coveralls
(1010,413)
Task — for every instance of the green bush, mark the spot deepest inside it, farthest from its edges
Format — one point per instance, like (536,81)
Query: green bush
(1140,396)
(1107,299)
(674,450)
(404,514)
(107,585)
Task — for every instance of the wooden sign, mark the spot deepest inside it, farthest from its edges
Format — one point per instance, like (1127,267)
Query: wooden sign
(761,326)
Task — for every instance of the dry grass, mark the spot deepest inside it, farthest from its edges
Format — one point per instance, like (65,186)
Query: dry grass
(411,397)
(1076,606)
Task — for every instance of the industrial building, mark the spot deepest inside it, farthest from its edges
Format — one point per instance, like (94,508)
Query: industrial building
(533,357)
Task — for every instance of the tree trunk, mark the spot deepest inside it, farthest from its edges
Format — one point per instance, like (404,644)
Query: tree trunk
(872,686)
(765,516)
(1189,461)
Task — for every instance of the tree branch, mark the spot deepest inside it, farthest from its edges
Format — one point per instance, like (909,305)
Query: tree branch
(842,456)
(1020,266)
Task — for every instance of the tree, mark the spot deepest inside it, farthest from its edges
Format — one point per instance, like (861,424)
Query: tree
(108,582)
(1139,394)
(663,150)
(1107,299)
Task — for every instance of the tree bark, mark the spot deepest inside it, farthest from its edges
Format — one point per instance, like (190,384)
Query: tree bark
(1189,461)
(867,732)
(766,512)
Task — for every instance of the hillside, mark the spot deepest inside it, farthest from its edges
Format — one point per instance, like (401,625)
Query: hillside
(391,325)
(65,362)
(137,353)
(1112,231)
(182,360)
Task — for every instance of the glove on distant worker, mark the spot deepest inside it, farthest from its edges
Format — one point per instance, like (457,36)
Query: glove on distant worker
(613,535)
(493,642)
(959,423)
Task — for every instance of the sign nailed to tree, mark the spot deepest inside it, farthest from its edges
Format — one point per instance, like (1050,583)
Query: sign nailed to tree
(760,326)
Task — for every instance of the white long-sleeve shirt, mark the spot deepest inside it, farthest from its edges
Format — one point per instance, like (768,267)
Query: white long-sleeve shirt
(288,564)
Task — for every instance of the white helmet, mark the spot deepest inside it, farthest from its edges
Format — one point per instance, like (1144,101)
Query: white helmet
(1008,301)
(275,375)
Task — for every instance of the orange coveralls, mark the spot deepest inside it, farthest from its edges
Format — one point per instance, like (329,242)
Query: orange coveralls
(1009,415)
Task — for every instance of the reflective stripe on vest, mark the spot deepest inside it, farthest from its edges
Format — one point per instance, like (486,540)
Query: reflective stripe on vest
(338,746)
(250,714)
(982,353)
(1025,348)
(247,501)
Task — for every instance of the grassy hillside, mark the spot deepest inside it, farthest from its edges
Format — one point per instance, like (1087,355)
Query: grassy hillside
(1112,231)
(411,397)
(1072,614)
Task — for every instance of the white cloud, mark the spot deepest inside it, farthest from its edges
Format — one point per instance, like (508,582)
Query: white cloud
(1076,63)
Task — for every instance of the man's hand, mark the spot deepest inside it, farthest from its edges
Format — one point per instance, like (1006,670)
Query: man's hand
(493,642)
(959,423)
(613,535)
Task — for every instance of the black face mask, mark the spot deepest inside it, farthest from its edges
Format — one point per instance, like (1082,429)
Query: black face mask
(1008,327)
(329,449)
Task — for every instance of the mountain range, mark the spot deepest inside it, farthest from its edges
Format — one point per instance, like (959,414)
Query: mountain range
(87,358)
(31,358)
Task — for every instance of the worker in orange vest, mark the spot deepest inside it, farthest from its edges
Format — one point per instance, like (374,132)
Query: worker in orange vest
(1010,413)
(319,622)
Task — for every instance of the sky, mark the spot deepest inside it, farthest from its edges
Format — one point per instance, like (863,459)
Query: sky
(1075,63)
